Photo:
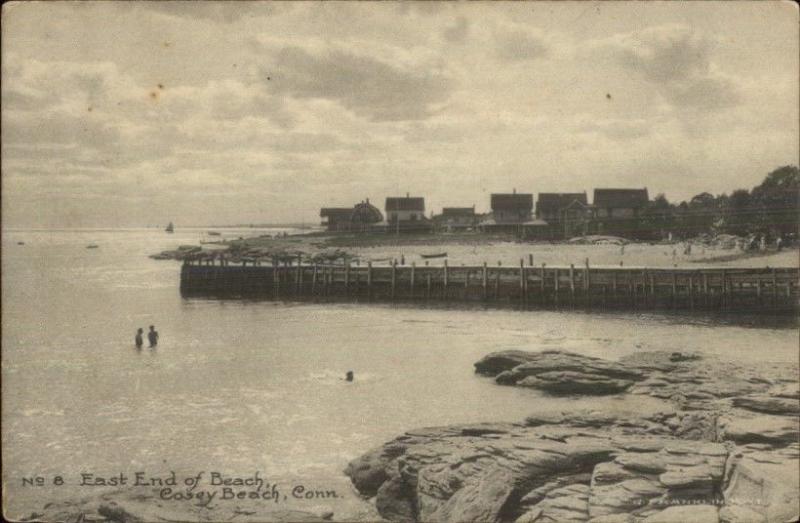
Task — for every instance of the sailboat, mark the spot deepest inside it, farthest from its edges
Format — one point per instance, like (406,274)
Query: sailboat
(170,227)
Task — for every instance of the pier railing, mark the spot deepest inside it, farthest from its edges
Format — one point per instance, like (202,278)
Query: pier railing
(741,289)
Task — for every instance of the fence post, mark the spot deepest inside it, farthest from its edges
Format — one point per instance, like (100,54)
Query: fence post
(555,286)
(297,275)
(484,281)
(276,281)
(572,283)
(586,277)
(705,289)
(428,286)
(444,274)
(369,280)
(674,290)
(394,276)
(774,289)
(314,280)
(413,269)
(724,298)
(522,293)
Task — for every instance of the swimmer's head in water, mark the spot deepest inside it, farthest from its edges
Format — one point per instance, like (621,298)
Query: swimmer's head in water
(349,375)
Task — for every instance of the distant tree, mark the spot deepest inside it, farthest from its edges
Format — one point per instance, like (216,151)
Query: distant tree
(657,218)
(776,203)
(738,213)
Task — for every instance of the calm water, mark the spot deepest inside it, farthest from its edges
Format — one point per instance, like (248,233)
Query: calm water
(244,386)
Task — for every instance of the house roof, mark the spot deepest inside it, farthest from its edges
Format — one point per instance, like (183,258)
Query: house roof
(408,203)
(512,202)
(458,211)
(555,201)
(620,198)
(341,213)
(365,212)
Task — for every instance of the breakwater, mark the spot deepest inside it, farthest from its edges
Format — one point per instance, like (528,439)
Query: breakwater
(734,289)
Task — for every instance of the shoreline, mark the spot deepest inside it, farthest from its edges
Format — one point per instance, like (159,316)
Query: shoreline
(724,427)
(466,248)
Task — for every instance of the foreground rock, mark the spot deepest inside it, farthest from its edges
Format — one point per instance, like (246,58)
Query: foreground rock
(559,372)
(724,434)
(545,472)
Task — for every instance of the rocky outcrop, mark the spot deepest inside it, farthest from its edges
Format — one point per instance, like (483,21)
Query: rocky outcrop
(558,372)
(547,470)
(724,433)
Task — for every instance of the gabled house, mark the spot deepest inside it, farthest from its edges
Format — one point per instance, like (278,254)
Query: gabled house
(455,218)
(511,209)
(406,213)
(550,206)
(358,218)
(619,211)
(336,219)
(510,213)
(567,214)
(619,203)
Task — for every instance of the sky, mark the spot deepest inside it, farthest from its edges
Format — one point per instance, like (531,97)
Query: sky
(139,113)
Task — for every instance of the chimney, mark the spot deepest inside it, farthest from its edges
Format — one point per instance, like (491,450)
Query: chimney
(407,195)
(367,200)
(515,190)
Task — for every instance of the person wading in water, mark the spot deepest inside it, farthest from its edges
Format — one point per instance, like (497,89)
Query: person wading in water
(152,337)
(139,340)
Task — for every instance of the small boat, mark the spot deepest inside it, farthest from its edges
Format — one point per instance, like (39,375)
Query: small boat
(438,255)
(170,227)
(213,233)
(92,246)
(20,243)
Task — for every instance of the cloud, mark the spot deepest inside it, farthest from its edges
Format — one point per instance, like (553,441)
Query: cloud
(458,31)
(520,45)
(370,88)
(678,61)
(617,129)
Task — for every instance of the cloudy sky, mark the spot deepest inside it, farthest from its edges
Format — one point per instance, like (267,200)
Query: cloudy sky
(138,113)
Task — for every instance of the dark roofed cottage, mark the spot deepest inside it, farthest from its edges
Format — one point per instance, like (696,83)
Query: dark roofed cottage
(336,218)
(406,213)
(619,203)
(511,208)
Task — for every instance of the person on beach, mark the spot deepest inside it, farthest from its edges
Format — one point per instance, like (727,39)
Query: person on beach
(349,376)
(152,337)
(139,340)
(779,244)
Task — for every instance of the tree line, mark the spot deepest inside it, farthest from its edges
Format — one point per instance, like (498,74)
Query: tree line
(771,208)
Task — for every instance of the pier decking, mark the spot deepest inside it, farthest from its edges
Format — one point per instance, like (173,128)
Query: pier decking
(734,289)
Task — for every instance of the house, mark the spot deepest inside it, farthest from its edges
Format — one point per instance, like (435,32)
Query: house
(510,209)
(455,218)
(509,212)
(619,203)
(406,213)
(336,219)
(619,211)
(365,216)
(568,214)
(359,218)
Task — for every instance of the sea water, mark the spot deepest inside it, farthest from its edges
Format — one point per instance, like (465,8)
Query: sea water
(236,387)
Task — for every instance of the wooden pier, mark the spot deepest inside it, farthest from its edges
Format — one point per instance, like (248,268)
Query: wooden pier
(729,289)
